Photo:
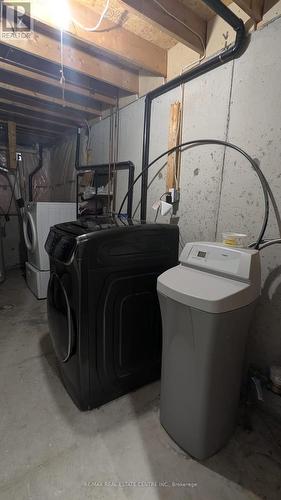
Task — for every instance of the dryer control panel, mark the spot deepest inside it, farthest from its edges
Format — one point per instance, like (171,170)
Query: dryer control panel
(59,246)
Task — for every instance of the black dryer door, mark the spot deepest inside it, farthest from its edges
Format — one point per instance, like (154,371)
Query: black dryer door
(60,317)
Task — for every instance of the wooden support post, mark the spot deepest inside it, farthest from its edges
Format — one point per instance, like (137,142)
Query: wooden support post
(174,135)
(12,145)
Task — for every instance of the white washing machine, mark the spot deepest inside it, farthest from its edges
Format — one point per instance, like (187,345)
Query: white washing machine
(37,220)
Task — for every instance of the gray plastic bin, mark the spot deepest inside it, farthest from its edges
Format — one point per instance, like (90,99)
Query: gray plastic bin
(206,308)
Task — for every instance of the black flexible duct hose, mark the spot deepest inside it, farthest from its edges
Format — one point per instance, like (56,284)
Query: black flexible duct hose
(202,142)
(32,174)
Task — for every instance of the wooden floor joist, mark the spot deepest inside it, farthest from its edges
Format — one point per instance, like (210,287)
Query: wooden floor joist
(38,131)
(51,100)
(27,123)
(35,109)
(54,83)
(183,23)
(44,47)
(39,119)
(18,100)
(254,8)
(111,40)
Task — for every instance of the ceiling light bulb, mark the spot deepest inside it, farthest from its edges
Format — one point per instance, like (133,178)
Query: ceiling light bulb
(61,13)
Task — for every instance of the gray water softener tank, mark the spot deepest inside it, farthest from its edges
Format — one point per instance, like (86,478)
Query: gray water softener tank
(206,305)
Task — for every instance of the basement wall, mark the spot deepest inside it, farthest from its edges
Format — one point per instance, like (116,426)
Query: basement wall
(240,102)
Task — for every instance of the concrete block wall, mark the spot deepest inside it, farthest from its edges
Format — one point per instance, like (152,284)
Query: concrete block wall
(240,102)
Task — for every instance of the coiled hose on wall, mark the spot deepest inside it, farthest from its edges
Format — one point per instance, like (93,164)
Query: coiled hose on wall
(264,184)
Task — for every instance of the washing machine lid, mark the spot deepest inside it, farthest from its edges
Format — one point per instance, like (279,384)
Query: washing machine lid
(205,291)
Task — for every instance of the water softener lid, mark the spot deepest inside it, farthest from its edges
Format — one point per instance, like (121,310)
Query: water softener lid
(205,291)
(213,278)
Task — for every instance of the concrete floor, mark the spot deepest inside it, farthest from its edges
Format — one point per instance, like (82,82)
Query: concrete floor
(50,450)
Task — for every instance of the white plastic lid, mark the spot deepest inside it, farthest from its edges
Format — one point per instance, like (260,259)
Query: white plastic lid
(211,285)
(220,259)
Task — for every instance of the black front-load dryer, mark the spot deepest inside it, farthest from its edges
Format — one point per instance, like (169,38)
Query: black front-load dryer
(103,310)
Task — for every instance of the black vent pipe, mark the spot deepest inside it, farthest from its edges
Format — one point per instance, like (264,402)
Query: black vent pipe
(30,177)
(232,52)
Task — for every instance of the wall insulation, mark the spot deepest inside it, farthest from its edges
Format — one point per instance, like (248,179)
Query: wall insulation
(41,192)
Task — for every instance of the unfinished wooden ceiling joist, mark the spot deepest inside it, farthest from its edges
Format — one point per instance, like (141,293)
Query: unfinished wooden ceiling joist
(112,40)
(31,134)
(63,103)
(37,113)
(197,27)
(52,69)
(28,135)
(62,76)
(47,48)
(38,79)
(254,8)
(35,105)
(33,122)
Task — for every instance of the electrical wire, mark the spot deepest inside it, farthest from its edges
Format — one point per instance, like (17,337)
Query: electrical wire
(275,207)
(156,215)
(150,183)
(113,186)
(202,142)
(158,208)
(110,158)
(2,211)
(269,243)
(183,24)
(88,140)
(96,27)
(181,240)
(13,187)
(184,69)
(62,77)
